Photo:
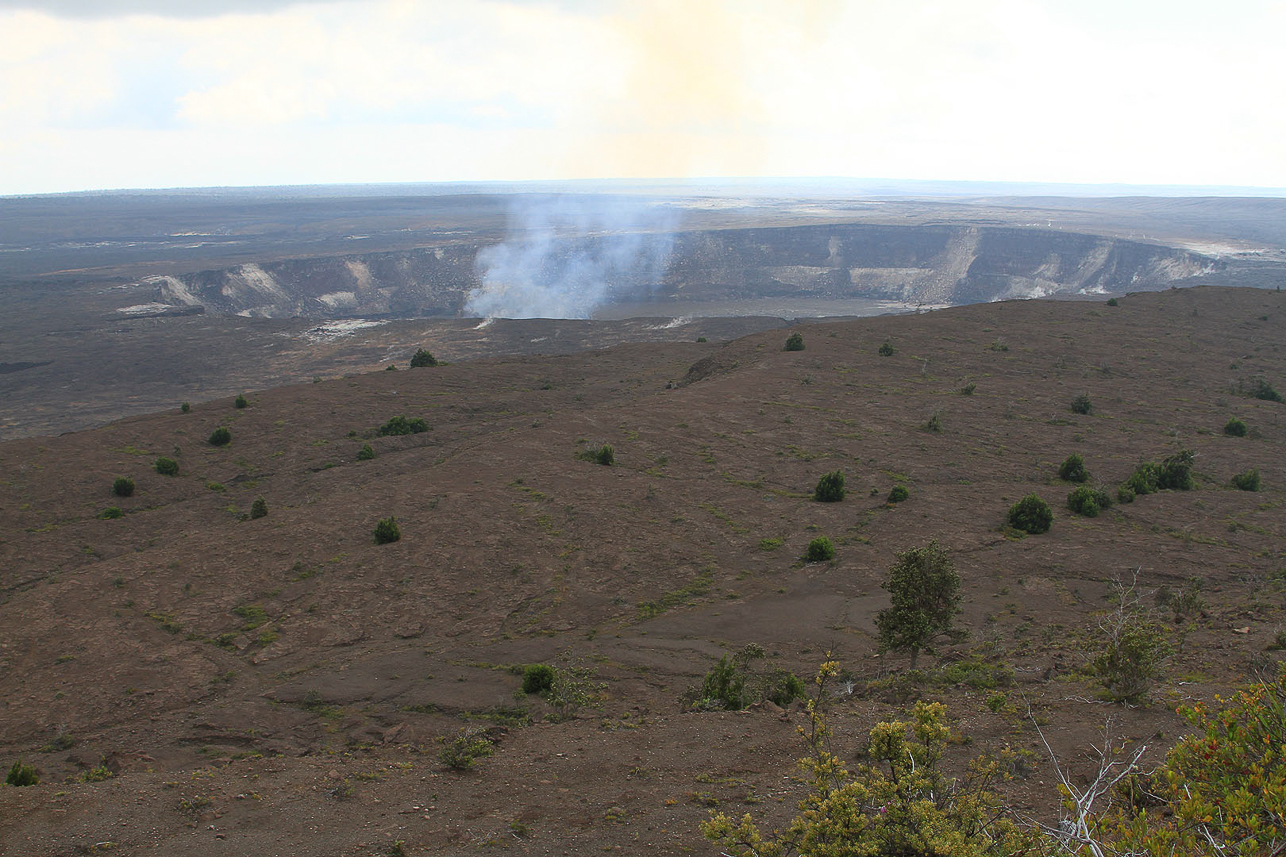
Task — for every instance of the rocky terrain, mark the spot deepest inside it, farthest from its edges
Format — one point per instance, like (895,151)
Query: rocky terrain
(188,679)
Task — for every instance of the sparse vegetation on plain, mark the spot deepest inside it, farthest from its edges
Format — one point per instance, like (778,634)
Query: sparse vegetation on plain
(898,493)
(240,402)
(22,775)
(887,349)
(259,508)
(366,453)
(1087,501)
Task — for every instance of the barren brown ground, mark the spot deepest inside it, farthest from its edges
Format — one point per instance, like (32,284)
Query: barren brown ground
(316,732)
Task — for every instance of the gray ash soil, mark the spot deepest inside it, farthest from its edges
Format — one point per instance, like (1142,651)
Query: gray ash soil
(282,685)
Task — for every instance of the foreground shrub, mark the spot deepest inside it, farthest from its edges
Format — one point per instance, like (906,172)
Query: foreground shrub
(1088,501)
(467,747)
(830,487)
(400,425)
(1073,469)
(423,358)
(22,775)
(925,589)
(387,531)
(733,683)
(1248,481)
(1131,649)
(898,494)
(123,486)
(1235,428)
(166,466)
(820,549)
(220,436)
(1031,515)
(537,678)
(1082,405)
(794,342)
(897,802)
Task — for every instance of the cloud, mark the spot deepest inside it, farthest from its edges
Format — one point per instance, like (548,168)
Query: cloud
(161,8)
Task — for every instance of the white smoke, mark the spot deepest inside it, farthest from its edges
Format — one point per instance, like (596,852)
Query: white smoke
(564,256)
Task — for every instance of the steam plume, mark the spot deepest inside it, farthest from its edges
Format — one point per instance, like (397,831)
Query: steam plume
(564,256)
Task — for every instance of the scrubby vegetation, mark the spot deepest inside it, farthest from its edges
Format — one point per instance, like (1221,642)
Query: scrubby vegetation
(259,508)
(1235,428)
(239,402)
(422,358)
(387,531)
(166,466)
(1073,469)
(366,453)
(537,678)
(1087,501)
(467,747)
(1081,404)
(1248,481)
(22,775)
(123,486)
(898,494)
(794,342)
(400,425)
(603,455)
(830,487)
(1031,515)
(820,549)
(925,589)
(734,683)
(887,349)
(220,436)
(1173,473)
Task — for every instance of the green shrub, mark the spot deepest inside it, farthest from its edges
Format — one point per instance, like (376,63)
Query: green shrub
(22,775)
(1031,515)
(537,678)
(423,358)
(724,686)
(111,513)
(1088,501)
(1175,472)
(997,345)
(387,531)
(1082,405)
(239,402)
(467,747)
(1129,662)
(366,453)
(934,424)
(830,487)
(782,687)
(770,544)
(898,494)
(123,486)
(166,466)
(1125,494)
(259,508)
(400,425)
(820,549)
(1248,481)
(1263,390)
(185,407)
(1113,302)
(220,436)
(967,389)
(702,339)
(794,342)
(925,589)
(1145,479)
(1235,428)
(605,455)
(887,350)
(1073,469)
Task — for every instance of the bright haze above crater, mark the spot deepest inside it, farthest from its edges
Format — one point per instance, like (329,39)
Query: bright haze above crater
(101,94)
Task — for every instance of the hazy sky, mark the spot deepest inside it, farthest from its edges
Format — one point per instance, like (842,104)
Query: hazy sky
(162,93)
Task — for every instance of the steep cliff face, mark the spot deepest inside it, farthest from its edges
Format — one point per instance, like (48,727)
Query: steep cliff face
(947,264)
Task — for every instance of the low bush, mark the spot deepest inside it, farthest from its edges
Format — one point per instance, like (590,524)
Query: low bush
(1113,302)
(1175,472)
(1248,481)
(111,513)
(1073,469)
(605,456)
(820,549)
(220,436)
(830,487)
(166,466)
(186,407)
(123,486)
(22,775)
(934,423)
(366,453)
(794,342)
(1125,494)
(898,494)
(467,747)
(1031,515)
(1261,389)
(887,350)
(732,684)
(387,531)
(423,358)
(259,508)
(239,402)
(1082,404)
(537,678)
(1235,428)
(967,389)
(400,425)
(1088,501)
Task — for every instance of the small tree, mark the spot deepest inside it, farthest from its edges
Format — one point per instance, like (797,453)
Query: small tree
(239,402)
(123,486)
(259,508)
(1082,404)
(423,358)
(925,589)
(794,342)
(820,549)
(1132,647)
(22,775)
(387,531)
(1031,515)
(220,436)
(1073,469)
(830,488)
(166,466)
